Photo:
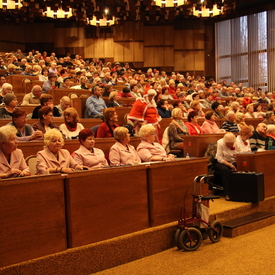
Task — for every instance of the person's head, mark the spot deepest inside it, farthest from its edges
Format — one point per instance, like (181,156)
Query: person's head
(195,104)
(36,91)
(109,114)
(270,129)
(195,96)
(121,134)
(269,115)
(240,117)
(53,140)
(125,90)
(257,107)
(192,116)
(113,96)
(19,118)
(250,108)
(210,115)
(163,103)
(246,132)
(177,113)
(71,115)
(46,114)
(151,94)
(2,80)
(229,140)
(87,138)
(216,106)
(65,102)
(46,99)
(230,116)
(96,91)
(83,79)
(235,106)
(45,72)
(10,100)
(261,129)
(67,81)
(52,76)
(147,133)
(6,88)
(8,142)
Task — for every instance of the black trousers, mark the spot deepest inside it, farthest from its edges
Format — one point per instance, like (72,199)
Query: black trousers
(224,171)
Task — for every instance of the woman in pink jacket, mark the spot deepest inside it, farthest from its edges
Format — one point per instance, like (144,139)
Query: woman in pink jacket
(12,163)
(209,126)
(87,154)
(122,153)
(53,159)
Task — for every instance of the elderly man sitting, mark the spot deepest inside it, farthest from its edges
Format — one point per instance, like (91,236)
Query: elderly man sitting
(230,125)
(33,98)
(258,138)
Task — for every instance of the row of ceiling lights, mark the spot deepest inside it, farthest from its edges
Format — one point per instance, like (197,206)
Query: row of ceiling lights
(53,9)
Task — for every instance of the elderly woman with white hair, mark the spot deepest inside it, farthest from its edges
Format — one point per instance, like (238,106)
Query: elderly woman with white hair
(122,153)
(54,159)
(148,149)
(6,88)
(12,163)
(65,102)
(227,147)
(230,125)
(144,111)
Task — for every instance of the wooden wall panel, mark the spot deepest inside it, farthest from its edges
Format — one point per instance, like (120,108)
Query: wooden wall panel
(179,61)
(179,39)
(128,31)
(138,52)
(69,37)
(168,53)
(128,51)
(188,39)
(158,35)
(99,48)
(149,56)
(158,56)
(118,51)
(109,48)
(148,36)
(168,35)
(138,31)
(199,61)
(118,32)
(89,48)
(189,61)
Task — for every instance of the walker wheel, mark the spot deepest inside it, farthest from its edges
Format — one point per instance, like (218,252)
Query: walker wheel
(177,235)
(216,231)
(190,239)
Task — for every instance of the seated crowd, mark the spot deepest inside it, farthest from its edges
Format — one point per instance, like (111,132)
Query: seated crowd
(192,103)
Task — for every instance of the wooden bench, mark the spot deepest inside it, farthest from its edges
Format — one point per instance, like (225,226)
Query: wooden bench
(17,82)
(32,218)
(167,184)
(106,203)
(32,147)
(260,162)
(196,146)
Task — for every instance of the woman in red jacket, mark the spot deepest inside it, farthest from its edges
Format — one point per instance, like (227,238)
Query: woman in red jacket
(192,125)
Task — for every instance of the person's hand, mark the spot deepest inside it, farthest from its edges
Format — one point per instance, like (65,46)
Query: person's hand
(67,170)
(37,135)
(24,173)
(13,172)
(233,168)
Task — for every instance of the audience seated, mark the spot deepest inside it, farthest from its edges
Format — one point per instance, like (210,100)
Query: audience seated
(45,122)
(192,125)
(209,126)
(163,108)
(258,138)
(270,137)
(54,159)
(230,125)
(122,153)
(33,98)
(177,130)
(71,126)
(12,162)
(25,131)
(6,88)
(95,104)
(148,149)
(11,103)
(217,107)
(227,147)
(269,118)
(65,102)
(106,129)
(87,155)
(45,100)
(243,139)
(51,83)
(114,100)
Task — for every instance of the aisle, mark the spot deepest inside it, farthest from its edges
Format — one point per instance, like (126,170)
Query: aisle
(252,253)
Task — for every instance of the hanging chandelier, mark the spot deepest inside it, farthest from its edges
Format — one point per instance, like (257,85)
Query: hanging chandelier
(105,21)
(59,13)
(10,4)
(169,3)
(204,10)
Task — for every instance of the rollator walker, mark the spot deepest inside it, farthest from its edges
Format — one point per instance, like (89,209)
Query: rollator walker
(192,230)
